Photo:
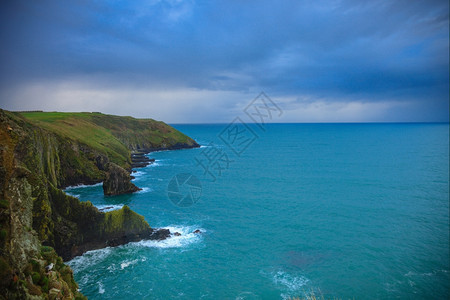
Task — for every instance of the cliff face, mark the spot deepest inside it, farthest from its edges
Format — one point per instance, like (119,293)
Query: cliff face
(22,264)
(39,156)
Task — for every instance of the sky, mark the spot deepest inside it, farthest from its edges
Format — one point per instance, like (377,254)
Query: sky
(190,61)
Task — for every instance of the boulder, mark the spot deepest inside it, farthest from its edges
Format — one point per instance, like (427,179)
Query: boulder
(160,234)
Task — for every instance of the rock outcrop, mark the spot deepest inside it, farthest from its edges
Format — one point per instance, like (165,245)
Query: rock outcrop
(139,160)
(118,181)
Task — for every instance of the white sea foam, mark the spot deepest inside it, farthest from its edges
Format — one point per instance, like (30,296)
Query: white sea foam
(432,273)
(291,283)
(128,263)
(101,288)
(82,186)
(84,280)
(247,295)
(89,259)
(186,238)
(144,190)
(154,164)
(137,174)
(125,264)
(73,195)
(109,207)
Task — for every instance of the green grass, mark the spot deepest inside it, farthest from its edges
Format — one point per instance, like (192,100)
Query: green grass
(112,135)
(124,220)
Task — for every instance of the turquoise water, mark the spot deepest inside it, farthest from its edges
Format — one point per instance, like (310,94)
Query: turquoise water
(342,210)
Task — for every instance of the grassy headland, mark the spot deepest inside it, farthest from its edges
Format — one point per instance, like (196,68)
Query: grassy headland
(114,135)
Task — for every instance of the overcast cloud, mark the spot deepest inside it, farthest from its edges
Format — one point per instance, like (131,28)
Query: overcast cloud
(203,61)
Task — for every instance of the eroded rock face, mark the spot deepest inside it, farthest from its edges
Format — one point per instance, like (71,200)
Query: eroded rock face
(24,242)
(22,258)
(118,181)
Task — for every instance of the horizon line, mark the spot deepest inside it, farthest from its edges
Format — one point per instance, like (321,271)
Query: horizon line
(325,122)
(218,123)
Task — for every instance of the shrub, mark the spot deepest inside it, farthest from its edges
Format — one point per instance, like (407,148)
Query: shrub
(36,277)
(2,234)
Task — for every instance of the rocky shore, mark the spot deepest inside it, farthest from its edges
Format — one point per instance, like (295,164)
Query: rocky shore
(140,160)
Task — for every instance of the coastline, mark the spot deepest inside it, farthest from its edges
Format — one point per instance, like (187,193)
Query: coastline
(154,234)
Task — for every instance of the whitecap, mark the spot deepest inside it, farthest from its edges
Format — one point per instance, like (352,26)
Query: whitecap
(247,295)
(101,288)
(127,263)
(411,273)
(85,279)
(89,259)
(144,190)
(82,186)
(154,164)
(73,195)
(186,238)
(291,283)
(137,174)
(109,207)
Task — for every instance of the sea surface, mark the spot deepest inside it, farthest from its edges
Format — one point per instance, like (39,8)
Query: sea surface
(346,211)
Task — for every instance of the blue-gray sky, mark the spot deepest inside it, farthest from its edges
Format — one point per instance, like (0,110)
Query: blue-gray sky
(203,61)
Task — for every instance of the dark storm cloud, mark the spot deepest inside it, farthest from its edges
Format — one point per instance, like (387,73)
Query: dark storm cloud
(366,51)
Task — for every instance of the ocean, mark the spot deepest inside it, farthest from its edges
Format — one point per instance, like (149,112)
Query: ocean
(343,211)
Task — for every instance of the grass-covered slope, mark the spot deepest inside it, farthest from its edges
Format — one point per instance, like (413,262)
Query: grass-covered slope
(113,135)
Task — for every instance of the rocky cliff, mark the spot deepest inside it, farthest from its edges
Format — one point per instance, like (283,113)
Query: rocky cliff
(40,153)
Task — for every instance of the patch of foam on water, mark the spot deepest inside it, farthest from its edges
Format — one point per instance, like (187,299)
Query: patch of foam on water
(89,259)
(431,273)
(291,283)
(247,296)
(156,163)
(73,195)
(109,207)
(144,190)
(186,238)
(82,186)
(137,174)
(101,288)
(125,264)
(128,263)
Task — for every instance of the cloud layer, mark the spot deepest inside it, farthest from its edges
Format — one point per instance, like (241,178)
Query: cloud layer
(202,61)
